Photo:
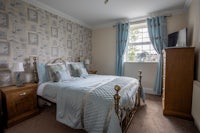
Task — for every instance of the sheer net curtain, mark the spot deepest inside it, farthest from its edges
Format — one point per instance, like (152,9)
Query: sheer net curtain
(122,39)
(157,27)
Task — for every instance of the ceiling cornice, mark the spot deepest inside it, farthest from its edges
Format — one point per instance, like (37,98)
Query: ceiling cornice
(187,4)
(153,14)
(54,11)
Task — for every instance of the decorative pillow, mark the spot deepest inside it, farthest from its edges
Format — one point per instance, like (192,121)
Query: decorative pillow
(42,73)
(75,68)
(58,72)
(83,72)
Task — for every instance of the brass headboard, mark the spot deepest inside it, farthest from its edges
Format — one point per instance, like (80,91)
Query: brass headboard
(35,72)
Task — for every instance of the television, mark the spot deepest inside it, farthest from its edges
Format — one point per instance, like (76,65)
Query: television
(178,39)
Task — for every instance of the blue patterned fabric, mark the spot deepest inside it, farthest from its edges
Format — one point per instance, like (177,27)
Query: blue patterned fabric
(122,38)
(58,72)
(157,28)
(83,72)
(76,69)
(42,73)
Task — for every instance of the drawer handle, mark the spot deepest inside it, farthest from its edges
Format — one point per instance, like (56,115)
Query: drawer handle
(23,94)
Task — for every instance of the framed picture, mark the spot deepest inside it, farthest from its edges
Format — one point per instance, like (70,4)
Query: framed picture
(69,44)
(54,51)
(69,27)
(4,48)
(3,20)
(32,15)
(54,32)
(3,35)
(80,38)
(33,38)
(80,52)
(5,79)
(2,5)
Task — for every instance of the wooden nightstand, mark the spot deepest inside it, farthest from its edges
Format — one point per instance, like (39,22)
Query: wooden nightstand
(19,103)
(92,71)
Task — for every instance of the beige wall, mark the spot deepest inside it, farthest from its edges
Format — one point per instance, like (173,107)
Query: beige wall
(104,52)
(194,33)
(176,22)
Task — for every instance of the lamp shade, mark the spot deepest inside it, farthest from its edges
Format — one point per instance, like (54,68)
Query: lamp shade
(18,67)
(87,61)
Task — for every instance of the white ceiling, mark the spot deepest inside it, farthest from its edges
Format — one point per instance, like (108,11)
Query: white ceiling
(95,13)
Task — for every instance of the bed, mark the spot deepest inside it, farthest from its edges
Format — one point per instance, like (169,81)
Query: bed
(95,103)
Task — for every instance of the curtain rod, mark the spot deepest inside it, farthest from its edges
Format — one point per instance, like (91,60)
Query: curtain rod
(144,19)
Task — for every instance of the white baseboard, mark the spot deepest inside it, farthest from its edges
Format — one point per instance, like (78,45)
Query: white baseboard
(195,103)
(149,91)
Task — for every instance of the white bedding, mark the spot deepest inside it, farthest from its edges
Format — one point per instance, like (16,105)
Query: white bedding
(88,102)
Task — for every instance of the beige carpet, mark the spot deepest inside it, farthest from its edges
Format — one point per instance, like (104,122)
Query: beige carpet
(148,119)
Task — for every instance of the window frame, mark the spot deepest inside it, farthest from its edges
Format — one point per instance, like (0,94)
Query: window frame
(144,25)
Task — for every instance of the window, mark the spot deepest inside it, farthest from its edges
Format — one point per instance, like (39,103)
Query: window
(139,47)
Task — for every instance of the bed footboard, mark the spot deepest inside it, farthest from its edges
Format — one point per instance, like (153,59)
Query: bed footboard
(130,112)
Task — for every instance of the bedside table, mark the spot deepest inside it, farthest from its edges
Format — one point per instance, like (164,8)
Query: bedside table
(19,103)
(92,71)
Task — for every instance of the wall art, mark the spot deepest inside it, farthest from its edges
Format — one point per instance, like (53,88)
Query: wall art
(4,48)
(32,15)
(33,38)
(4,20)
(54,32)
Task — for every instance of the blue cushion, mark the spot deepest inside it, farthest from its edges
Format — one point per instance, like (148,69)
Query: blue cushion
(83,72)
(58,72)
(42,73)
(75,68)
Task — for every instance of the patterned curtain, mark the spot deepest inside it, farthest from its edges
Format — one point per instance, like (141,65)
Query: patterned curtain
(157,28)
(122,39)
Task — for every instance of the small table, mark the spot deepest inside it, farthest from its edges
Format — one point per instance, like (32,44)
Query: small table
(92,71)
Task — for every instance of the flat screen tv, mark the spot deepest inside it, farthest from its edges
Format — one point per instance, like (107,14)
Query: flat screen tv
(178,39)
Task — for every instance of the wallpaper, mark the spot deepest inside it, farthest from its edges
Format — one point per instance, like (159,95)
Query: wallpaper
(26,30)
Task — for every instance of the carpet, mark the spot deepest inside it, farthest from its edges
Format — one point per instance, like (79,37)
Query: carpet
(148,119)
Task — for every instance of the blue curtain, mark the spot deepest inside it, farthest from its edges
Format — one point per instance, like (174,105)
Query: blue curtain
(122,38)
(157,28)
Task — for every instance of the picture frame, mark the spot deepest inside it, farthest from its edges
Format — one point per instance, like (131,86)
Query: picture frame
(54,51)
(4,48)
(33,38)
(2,5)
(32,15)
(69,44)
(54,32)
(80,38)
(80,53)
(5,79)
(3,35)
(69,27)
(4,20)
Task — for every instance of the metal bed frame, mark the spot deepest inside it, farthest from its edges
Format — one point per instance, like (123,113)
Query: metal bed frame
(129,112)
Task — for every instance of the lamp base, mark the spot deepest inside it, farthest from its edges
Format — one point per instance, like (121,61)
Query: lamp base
(19,82)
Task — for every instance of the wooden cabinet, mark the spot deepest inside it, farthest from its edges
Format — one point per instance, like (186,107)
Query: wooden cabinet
(92,71)
(19,103)
(1,116)
(178,73)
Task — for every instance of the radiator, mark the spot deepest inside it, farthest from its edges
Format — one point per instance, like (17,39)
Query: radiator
(196,103)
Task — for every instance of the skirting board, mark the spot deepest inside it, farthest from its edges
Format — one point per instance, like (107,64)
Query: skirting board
(149,91)
(195,103)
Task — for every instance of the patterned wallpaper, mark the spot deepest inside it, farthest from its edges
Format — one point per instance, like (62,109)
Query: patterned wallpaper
(26,30)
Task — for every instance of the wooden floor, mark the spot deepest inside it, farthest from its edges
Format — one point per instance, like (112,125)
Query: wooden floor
(148,119)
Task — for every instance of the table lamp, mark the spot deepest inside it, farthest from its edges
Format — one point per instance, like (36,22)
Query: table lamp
(87,62)
(18,67)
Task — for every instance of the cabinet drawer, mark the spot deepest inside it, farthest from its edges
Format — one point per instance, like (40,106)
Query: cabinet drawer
(20,102)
